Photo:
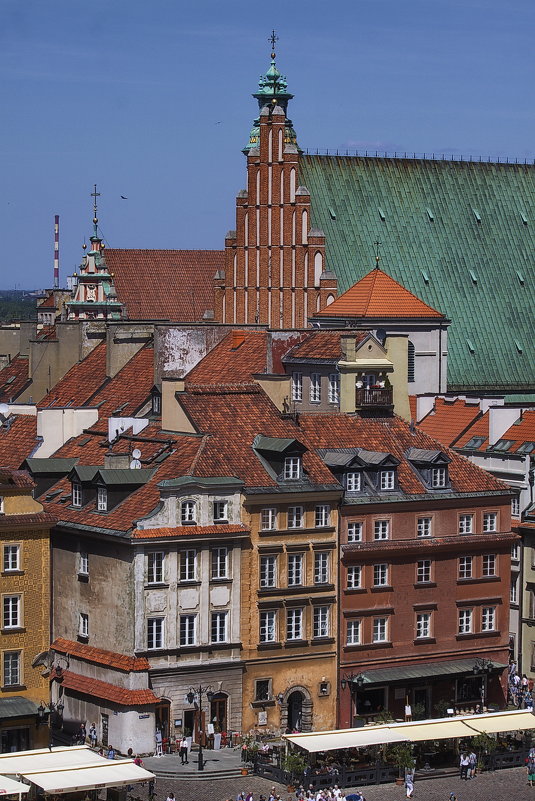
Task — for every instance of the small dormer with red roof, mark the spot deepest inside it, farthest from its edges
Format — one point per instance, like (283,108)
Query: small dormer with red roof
(413,332)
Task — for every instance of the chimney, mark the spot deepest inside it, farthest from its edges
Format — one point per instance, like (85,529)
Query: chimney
(116,461)
(347,343)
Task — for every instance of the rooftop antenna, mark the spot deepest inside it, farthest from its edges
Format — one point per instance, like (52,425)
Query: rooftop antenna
(377,257)
(56,251)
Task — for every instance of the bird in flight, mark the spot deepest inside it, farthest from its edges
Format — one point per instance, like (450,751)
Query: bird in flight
(123,197)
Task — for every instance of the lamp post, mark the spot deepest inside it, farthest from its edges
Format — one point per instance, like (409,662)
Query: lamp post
(199,692)
(351,679)
(482,667)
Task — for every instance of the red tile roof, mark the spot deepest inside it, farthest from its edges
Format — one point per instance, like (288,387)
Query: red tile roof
(81,382)
(99,656)
(14,378)
(48,302)
(38,520)
(378,295)
(189,531)
(19,479)
(174,285)
(447,421)
(47,332)
(323,345)
(233,361)
(480,428)
(107,692)
(131,386)
(18,440)
(522,431)
(413,403)
(393,435)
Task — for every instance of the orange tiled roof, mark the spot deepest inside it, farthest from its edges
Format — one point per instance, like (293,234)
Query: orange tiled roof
(131,386)
(102,689)
(37,520)
(18,441)
(189,531)
(99,656)
(447,421)
(47,332)
(15,479)
(233,360)
(14,378)
(172,285)
(413,400)
(480,428)
(80,382)
(48,302)
(378,295)
(323,345)
(393,435)
(523,431)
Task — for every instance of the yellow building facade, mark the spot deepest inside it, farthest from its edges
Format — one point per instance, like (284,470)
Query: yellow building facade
(25,623)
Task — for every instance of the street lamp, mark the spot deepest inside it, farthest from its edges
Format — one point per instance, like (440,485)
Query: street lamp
(482,666)
(198,692)
(351,679)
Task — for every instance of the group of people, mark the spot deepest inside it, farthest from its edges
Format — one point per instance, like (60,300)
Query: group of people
(520,689)
(468,765)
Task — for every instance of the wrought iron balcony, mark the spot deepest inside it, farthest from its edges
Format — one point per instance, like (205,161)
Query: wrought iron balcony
(368,397)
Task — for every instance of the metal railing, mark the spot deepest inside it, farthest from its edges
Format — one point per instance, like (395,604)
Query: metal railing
(373,396)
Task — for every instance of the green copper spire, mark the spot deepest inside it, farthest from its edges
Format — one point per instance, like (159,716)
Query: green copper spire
(94,195)
(272,92)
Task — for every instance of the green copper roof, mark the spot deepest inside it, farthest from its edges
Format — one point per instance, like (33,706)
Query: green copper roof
(459,235)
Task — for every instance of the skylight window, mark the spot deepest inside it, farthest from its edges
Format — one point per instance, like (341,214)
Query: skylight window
(477,215)
(473,276)
(425,276)
(520,277)
(526,447)
(382,215)
(475,443)
(518,346)
(501,445)
(430,215)
(523,218)
(471,346)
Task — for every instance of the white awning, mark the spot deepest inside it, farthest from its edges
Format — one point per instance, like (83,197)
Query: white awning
(414,731)
(63,770)
(10,786)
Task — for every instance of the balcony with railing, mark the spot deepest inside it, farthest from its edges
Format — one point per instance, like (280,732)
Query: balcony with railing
(374,398)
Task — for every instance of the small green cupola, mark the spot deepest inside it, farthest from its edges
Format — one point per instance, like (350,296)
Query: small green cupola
(271,94)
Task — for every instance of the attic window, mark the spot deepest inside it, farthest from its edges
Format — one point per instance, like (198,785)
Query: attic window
(102,499)
(526,447)
(473,276)
(353,481)
(475,443)
(520,277)
(382,215)
(523,218)
(501,445)
(518,346)
(425,276)
(430,215)
(156,403)
(332,213)
(292,467)
(119,409)
(471,347)
(84,441)
(76,494)
(477,215)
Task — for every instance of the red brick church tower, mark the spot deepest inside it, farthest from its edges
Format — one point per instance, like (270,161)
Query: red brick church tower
(275,270)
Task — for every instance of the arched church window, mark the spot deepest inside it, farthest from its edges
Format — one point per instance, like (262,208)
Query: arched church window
(318,267)
(292,185)
(304,227)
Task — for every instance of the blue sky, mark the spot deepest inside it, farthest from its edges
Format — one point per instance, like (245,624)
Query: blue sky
(152,100)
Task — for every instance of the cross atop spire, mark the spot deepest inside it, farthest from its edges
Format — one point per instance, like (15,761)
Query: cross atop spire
(377,257)
(273,38)
(94,195)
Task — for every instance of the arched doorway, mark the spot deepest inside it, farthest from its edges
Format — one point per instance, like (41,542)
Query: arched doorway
(218,712)
(295,711)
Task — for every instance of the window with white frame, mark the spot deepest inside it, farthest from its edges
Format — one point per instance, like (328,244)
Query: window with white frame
(488,618)
(380,575)
(268,519)
(268,626)
(381,529)
(268,571)
(219,627)
(102,499)
(294,624)
(156,403)
(424,527)
(292,467)
(354,577)
(188,512)
(155,567)
(322,515)
(220,509)
(513,597)
(515,506)
(334,388)
(354,532)
(154,633)
(353,632)
(380,629)
(295,569)
(295,517)
(83,563)
(315,388)
(321,622)
(465,567)
(439,477)
(465,621)
(466,524)
(188,629)
(12,617)
(321,567)
(387,479)
(297,387)
(220,563)
(188,565)
(353,481)
(423,571)
(76,494)
(11,561)
(515,552)
(490,521)
(12,669)
(423,625)
(83,625)
(489,564)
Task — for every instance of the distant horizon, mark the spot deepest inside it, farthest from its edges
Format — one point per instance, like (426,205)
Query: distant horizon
(154,105)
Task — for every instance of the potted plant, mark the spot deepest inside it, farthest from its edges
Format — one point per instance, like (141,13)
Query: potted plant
(483,744)
(401,756)
(294,763)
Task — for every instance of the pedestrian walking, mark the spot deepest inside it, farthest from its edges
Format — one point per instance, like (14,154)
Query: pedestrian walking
(93,735)
(473,765)
(464,764)
(409,783)
(183,750)
(530,766)
(158,739)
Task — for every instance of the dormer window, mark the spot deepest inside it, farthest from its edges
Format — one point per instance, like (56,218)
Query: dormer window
(102,499)
(439,477)
(387,479)
(353,482)
(431,466)
(292,467)
(220,511)
(76,494)
(188,513)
